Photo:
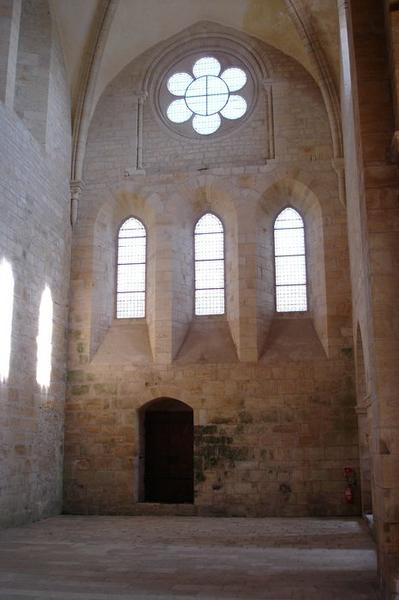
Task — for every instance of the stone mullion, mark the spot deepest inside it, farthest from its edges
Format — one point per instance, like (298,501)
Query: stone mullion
(162,317)
(80,318)
(247,264)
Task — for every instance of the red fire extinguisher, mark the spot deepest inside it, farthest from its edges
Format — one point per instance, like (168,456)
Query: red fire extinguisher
(348,494)
(350,477)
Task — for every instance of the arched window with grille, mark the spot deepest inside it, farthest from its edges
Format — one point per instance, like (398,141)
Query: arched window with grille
(131,270)
(209,266)
(290,262)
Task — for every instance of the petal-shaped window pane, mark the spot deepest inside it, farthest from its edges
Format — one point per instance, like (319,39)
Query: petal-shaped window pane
(234,78)
(235,108)
(178,83)
(206,66)
(178,111)
(206,125)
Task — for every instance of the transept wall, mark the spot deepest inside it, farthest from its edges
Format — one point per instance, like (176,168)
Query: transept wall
(273,396)
(282,402)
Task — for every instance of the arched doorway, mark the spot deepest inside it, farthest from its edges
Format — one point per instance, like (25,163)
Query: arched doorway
(167,439)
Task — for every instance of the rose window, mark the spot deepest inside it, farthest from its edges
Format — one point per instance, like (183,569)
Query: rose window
(207,96)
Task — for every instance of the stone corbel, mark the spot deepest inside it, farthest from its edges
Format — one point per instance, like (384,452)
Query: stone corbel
(363,405)
(76,189)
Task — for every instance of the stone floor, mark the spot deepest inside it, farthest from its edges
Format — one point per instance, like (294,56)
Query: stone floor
(160,558)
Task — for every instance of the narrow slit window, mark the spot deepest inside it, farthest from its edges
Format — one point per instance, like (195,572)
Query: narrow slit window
(131,270)
(290,262)
(6,313)
(209,266)
(44,340)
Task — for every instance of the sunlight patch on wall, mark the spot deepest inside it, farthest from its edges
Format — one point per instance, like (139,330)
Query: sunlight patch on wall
(6,311)
(44,340)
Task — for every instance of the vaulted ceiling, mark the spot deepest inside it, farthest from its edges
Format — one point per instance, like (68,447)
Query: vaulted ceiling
(136,25)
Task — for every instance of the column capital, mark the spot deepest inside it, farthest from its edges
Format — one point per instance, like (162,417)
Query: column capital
(76,187)
(343,4)
(141,96)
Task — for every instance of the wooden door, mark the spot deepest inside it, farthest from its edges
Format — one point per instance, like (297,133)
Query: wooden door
(169,439)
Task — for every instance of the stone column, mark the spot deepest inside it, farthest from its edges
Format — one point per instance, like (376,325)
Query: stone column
(76,189)
(141,98)
(267,86)
(247,347)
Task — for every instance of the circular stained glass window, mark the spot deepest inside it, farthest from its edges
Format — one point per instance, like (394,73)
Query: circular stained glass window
(207,95)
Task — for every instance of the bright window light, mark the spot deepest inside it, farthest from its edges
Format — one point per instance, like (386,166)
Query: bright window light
(207,95)
(131,274)
(209,266)
(6,310)
(290,262)
(44,340)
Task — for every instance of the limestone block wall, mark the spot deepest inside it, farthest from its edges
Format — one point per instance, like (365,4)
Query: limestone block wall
(33,66)
(273,395)
(10,24)
(372,193)
(35,242)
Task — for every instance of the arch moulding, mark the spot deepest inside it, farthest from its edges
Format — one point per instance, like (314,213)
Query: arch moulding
(90,70)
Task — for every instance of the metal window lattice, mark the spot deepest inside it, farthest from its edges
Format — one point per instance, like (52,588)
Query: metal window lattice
(290,262)
(206,95)
(209,266)
(131,270)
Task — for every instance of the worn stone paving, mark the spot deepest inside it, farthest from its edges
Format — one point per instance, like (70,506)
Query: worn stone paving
(160,558)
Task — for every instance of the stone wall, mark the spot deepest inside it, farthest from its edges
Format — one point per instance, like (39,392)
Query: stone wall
(372,196)
(35,241)
(273,395)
